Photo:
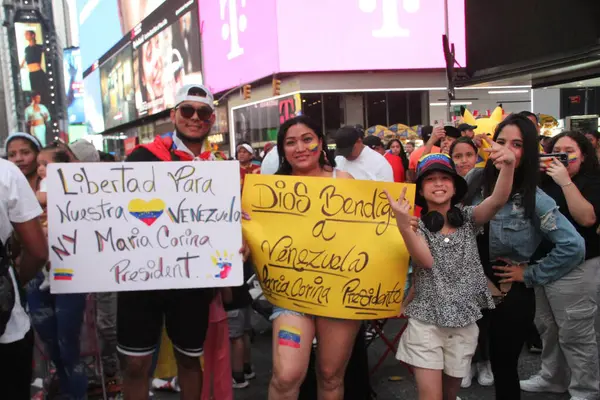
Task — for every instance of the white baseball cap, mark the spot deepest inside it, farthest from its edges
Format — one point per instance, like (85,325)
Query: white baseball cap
(197,93)
(84,151)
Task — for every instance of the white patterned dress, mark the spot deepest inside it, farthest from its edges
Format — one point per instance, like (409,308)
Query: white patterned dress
(452,293)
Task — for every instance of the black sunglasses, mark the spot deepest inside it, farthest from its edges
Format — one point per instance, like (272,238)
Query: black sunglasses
(188,112)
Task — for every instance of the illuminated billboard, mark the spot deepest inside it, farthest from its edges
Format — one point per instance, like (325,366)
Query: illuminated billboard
(73,80)
(36,85)
(165,60)
(239,41)
(94,115)
(102,23)
(247,40)
(118,94)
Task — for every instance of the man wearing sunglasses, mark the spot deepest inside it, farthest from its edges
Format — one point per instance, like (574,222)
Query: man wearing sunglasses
(140,315)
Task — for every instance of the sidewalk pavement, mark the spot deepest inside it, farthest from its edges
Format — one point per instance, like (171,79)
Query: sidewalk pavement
(384,387)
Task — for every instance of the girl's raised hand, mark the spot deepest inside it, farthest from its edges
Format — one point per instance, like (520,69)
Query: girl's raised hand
(500,155)
(401,209)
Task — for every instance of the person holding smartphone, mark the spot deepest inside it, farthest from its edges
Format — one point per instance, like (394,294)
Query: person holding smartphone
(508,245)
(566,308)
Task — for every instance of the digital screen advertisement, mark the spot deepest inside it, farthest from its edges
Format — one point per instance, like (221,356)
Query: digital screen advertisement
(239,41)
(245,41)
(165,61)
(34,81)
(74,90)
(94,115)
(118,94)
(385,34)
(102,23)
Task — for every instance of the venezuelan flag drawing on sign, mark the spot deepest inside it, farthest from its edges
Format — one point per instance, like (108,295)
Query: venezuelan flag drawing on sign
(62,274)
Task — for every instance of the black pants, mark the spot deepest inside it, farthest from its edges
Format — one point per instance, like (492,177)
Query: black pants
(16,368)
(483,341)
(509,328)
(39,85)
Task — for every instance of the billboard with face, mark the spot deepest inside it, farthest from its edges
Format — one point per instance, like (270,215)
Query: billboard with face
(116,82)
(73,80)
(164,62)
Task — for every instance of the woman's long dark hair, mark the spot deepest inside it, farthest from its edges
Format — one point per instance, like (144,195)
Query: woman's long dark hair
(589,164)
(285,168)
(402,152)
(527,174)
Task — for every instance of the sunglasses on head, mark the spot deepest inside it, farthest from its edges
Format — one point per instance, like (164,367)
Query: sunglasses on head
(188,112)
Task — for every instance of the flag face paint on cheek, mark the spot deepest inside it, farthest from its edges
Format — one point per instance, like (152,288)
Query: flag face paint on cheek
(572,158)
(289,337)
(313,147)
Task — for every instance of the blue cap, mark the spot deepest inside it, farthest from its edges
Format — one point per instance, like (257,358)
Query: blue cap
(22,135)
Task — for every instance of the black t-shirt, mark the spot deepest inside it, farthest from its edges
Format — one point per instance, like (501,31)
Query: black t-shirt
(33,54)
(589,186)
(241,294)
(141,154)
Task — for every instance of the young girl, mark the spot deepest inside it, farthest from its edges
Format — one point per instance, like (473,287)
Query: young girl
(48,155)
(450,286)
(57,319)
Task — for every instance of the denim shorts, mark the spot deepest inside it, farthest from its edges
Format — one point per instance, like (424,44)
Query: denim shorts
(279,311)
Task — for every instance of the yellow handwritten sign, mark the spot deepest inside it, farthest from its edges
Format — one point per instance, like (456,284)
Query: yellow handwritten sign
(327,247)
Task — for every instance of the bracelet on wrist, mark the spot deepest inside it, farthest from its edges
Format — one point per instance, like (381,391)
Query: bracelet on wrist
(566,184)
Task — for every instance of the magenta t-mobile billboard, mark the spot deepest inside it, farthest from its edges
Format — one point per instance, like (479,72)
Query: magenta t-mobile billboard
(244,40)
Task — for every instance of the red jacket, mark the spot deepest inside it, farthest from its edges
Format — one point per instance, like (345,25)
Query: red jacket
(164,149)
(397,166)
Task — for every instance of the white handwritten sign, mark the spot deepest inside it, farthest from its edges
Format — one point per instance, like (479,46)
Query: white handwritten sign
(144,226)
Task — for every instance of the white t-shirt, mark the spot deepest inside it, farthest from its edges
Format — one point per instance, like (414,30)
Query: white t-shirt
(369,166)
(17,205)
(44,186)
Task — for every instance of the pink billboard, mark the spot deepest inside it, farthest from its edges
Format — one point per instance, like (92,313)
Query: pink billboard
(244,40)
(239,41)
(340,35)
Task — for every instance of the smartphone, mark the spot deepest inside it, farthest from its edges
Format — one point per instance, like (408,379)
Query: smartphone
(562,157)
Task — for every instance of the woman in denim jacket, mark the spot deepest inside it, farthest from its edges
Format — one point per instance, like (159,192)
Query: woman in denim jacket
(566,308)
(508,244)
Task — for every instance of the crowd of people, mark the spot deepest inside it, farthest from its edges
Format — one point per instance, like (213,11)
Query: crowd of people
(498,254)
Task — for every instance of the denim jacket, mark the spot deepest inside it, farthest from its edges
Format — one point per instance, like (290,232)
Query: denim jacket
(516,238)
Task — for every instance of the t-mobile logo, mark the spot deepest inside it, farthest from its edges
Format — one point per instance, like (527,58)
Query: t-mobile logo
(232,26)
(389,10)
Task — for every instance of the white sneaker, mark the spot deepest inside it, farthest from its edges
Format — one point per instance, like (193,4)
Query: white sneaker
(468,379)
(537,384)
(484,374)
(240,384)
